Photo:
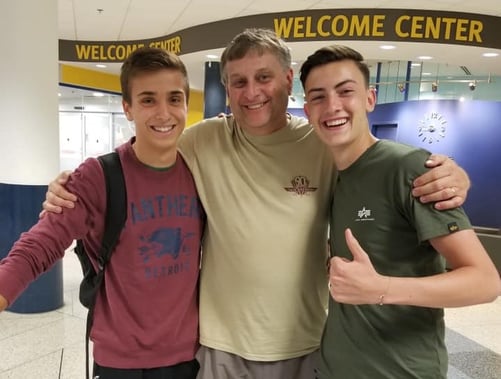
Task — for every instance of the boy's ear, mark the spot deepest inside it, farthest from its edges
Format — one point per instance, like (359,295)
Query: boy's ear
(371,99)
(126,108)
(306,111)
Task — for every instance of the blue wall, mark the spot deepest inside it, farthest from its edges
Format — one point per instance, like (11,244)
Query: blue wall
(472,137)
(19,209)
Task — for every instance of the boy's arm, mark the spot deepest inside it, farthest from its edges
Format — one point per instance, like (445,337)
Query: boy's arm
(472,280)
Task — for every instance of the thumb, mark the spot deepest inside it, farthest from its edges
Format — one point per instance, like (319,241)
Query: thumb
(356,250)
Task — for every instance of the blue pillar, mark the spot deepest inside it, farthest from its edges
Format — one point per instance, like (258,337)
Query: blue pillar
(29,133)
(214,92)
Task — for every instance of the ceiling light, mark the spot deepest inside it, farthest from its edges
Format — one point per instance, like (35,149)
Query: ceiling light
(425,57)
(97,94)
(416,64)
(490,55)
(212,56)
(387,47)
(426,73)
(100,65)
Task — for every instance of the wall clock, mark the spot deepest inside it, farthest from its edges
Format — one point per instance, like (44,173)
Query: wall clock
(432,127)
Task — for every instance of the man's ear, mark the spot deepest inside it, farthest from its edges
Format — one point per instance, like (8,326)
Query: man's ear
(290,80)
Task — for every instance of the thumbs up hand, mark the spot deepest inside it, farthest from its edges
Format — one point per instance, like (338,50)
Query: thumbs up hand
(355,281)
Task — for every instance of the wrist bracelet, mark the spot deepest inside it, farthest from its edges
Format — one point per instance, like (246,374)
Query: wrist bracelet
(381,297)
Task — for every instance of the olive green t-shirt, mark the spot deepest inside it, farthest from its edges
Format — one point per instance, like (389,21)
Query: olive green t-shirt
(373,198)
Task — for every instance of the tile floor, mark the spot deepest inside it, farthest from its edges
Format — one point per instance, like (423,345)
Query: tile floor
(51,345)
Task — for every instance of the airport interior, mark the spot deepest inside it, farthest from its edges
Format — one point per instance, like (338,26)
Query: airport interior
(435,64)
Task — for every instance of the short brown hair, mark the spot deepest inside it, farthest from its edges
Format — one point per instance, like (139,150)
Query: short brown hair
(150,59)
(259,40)
(334,53)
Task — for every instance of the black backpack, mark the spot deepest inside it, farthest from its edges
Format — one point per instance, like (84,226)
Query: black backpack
(116,214)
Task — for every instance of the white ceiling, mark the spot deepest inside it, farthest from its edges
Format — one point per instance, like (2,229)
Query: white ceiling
(143,19)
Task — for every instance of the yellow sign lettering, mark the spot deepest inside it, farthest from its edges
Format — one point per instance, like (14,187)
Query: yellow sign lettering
(476,28)
(339,25)
(438,28)
(283,27)
(172,44)
(298,27)
(400,26)
(417,26)
(320,26)
(360,27)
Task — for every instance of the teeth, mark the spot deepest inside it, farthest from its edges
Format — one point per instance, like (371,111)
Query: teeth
(255,106)
(163,129)
(337,122)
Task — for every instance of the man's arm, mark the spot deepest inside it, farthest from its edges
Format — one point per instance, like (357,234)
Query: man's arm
(446,184)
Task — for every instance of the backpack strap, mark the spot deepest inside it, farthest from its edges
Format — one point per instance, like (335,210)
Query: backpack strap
(116,215)
(116,205)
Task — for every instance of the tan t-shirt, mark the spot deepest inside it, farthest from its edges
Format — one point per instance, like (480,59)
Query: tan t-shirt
(263,283)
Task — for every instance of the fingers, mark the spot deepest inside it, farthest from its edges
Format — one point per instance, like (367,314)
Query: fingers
(54,202)
(447,193)
(432,179)
(56,190)
(455,202)
(436,160)
(49,207)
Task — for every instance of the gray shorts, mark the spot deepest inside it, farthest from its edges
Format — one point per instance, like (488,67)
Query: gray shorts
(217,364)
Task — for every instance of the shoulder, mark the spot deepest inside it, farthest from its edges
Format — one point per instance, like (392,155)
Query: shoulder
(87,180)
(205,127)
(407,155)
(297,122)
(204,135)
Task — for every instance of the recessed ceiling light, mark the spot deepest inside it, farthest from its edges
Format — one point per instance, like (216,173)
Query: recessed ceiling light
(387,47)
(416,64)
(293,63)
(97,94)
(100,65)
(212,56)
(425,57)
(426,73)
(490,55)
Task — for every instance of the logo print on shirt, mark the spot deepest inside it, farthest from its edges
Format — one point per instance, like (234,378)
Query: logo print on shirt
(163,241)
(364,215)
(300,186)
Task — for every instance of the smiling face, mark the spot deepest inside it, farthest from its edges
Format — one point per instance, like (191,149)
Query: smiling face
(337,103)
(158,107)
(258,89)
